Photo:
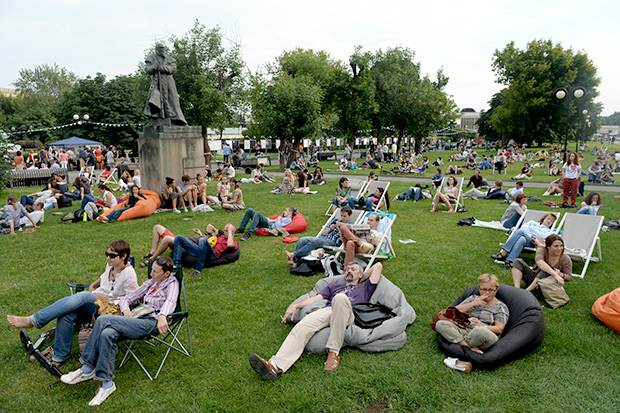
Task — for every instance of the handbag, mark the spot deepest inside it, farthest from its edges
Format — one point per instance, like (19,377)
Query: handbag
(371,315)
(554,294)
(453,314)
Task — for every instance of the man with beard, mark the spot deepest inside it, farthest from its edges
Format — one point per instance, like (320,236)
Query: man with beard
(337,314)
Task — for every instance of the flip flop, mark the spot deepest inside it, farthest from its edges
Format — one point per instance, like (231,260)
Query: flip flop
(144,264)
(147,256)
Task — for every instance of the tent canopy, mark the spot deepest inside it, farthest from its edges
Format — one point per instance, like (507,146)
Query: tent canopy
(73,141)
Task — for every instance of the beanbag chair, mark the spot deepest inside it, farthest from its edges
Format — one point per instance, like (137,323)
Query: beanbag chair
(524,332)
(298,225)
(228,256)
(390,335)
(607,309)
(143,208)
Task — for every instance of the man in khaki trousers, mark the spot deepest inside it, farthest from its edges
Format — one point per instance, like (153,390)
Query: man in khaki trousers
(337,314)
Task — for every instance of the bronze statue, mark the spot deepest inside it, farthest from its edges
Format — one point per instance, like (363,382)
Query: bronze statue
(163,99)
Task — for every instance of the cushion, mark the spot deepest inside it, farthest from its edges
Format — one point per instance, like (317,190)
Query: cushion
(390,335)
(228,256)
(298,225)
(143,208)
(607,309)
(524,332)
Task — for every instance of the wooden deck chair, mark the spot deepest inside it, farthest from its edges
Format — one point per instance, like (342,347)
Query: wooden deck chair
(111,178)
(581,236)
(171,340)
(533,215)
(358,188)
(459,185)
(372,187)
(385,249)
(356,215)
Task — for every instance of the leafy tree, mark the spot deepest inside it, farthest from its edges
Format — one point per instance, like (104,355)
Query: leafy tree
(485,128)
(527,109)
(5,162)
(613,119)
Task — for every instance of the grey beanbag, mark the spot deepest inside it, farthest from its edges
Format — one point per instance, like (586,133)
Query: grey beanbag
(390,335)
(524,332)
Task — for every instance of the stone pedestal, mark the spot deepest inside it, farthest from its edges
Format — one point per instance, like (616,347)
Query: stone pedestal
(170,151)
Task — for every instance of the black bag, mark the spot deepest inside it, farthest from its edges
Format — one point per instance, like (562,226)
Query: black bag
(75,216)
(467,221)
(369,315)
(308,268)
(582,187)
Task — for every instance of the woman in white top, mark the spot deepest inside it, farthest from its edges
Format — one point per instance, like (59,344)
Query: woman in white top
(118,279)
(106,196)
(591,204)
(136,178)
(572,173)
(450,194)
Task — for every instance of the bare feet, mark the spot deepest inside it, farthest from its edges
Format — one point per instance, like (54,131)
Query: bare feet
(395,198)
(289,255)
(477,350)
(103,219)
(433,210)
(19,322)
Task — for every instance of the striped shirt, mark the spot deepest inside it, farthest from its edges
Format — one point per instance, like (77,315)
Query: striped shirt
(162,299)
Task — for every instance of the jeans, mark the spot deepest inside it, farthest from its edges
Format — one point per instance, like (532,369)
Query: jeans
(100,349)
(413,192)
(88,198)
(350,201)
(594,177)
(370,204)
(202,251)
(26,200)
(70,310)
(73,196)
(512,221)
(519,240)
(587,210)
(307,244)
(258,221)
(114,215)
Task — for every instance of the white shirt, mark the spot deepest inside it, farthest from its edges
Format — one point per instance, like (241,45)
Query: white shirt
(572,171)
(37,216)
(125,282)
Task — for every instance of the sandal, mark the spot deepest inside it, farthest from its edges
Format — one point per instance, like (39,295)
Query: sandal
(144,264)
(147,256)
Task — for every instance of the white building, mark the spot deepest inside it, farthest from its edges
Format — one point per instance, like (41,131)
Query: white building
(468,119)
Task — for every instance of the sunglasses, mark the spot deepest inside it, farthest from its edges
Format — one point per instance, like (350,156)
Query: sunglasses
(111,254)
(163,263)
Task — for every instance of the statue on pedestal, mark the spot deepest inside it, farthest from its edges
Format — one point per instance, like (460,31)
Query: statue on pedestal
(162,106)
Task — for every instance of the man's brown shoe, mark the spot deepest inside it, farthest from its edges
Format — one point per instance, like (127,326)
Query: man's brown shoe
(332,362)
(263,367)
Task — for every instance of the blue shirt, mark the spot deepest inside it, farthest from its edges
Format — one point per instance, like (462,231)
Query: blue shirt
(334,235)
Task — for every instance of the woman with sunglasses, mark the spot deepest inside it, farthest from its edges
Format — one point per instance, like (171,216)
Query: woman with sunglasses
(488,318)
(160,293)
(118,279)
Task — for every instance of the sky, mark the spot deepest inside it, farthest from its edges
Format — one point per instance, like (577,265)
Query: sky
(111,36)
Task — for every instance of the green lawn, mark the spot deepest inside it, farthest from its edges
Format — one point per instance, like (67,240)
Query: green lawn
(235,310)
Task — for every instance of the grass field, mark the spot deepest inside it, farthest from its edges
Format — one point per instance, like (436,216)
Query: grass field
(235,310)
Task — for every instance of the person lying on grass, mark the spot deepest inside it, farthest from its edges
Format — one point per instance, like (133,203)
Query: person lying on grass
(330,237)
(13,213)
(336,314)
(488,318)
(160,293)
(118,279)
(257,220)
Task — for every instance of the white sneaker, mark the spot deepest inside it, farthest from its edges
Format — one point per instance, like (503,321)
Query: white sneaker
(102,395)
(185,209)
(176,211)
(76,377)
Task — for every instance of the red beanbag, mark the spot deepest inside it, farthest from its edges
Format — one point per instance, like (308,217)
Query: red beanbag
(607,309)
(298,225)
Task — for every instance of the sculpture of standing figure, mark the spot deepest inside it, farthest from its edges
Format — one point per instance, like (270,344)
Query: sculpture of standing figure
(163,99)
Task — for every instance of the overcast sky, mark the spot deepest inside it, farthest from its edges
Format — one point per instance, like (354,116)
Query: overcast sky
(111,36)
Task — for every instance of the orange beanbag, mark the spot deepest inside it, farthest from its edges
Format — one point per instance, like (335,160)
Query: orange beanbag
(143,208)
(607,310)
(298,225)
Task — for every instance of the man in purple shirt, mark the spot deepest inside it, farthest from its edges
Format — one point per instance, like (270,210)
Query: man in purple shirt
(258,220)
(336,314)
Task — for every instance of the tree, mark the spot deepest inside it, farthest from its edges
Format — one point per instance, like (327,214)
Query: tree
(485,128)
(527,110)
(613,119)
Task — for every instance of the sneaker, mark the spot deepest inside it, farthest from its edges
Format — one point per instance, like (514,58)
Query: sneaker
(102,395)
(239,231)
(197,274)
(77,376)
(245,236)
(185,209)
(176,211)
(456,364)
(263,367)
(333,361)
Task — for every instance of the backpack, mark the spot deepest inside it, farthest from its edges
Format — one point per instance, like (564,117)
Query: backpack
(74,216)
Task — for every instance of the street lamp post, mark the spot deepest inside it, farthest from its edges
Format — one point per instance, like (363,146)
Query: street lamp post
(585,126)
(85,116)
(561,93)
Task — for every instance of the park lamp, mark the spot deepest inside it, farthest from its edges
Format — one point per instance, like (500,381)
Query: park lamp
(561,93)
(76,117)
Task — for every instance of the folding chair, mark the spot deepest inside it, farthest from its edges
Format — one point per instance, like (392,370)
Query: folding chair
(499,166)
(91,179)
(358,188)
(384,248)
(109,178)
(581,235)
(372,187)
(459,185)
(171,339)
(532,215)
(355,217)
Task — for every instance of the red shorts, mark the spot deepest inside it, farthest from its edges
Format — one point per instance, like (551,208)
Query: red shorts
(165,234)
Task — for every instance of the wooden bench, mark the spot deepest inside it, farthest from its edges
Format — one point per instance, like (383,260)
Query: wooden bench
(325,155)
(33,177)
(255,160)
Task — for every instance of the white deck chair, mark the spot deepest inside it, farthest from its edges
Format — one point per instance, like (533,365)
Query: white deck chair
(459,185)
(533,215)
(358,188)
(356,215)
(581,236)
(92,180)
(372,187)
(385,249)
(110,178)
